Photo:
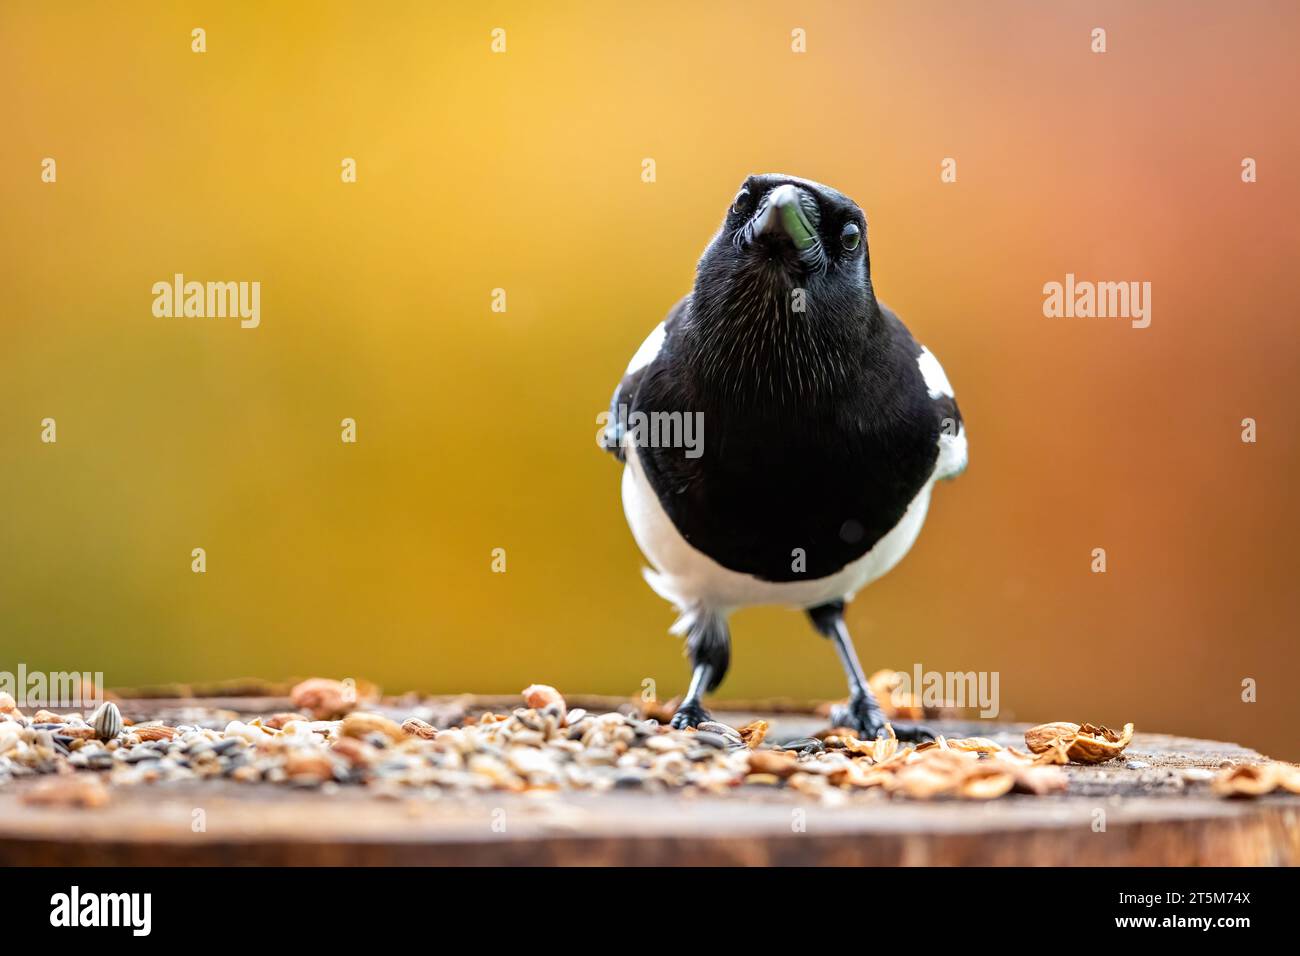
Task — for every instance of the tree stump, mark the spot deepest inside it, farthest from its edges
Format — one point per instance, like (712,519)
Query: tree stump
(1140,810)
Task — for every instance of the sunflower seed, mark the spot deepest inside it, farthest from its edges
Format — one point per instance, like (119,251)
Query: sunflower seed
(107,721)
(805,745)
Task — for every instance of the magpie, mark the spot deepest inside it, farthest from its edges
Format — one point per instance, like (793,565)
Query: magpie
(825,427)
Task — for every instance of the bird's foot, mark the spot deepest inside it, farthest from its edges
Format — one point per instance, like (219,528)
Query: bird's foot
(690,714)
(864,715)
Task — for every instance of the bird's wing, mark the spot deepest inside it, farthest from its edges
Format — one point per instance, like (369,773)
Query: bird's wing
(952,432)
(620,405)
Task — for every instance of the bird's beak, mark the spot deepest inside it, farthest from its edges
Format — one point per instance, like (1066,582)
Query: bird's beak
(782,214)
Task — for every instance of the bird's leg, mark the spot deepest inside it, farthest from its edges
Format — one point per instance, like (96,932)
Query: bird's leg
(862,712)
(708,641)
(691,713)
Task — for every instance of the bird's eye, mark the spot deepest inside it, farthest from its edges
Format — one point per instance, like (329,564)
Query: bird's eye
(850,236)
(741,202)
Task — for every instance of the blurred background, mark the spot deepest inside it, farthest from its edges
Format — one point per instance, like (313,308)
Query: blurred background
(476,429)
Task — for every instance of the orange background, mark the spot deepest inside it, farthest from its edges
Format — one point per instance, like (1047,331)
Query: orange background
(476,429)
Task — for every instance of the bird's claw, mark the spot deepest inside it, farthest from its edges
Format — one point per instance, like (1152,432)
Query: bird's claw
(689,715)
(864,715)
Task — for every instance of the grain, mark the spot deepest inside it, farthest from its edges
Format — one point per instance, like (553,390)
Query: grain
(538,748)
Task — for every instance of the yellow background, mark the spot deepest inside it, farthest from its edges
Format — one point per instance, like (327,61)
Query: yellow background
(476,429)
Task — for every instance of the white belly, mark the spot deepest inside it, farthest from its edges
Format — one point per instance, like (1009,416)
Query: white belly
(691,579)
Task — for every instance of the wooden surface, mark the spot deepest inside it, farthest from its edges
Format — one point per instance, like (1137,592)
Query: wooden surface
(1153,817)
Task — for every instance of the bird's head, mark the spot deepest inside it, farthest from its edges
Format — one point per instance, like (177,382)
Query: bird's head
(789,242)
(788,270)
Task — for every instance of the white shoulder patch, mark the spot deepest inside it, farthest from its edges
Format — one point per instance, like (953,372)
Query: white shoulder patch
(952,448)
(953,455)
(936,380)
(648,350)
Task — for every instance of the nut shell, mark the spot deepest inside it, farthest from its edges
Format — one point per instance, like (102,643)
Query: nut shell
(1062,741)
(1099,744)
(772,762)
(155,732)
(416,727)
(1247,780)
(543,696)
(754,733)
(360,724)
(1047,737)
(323,698)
